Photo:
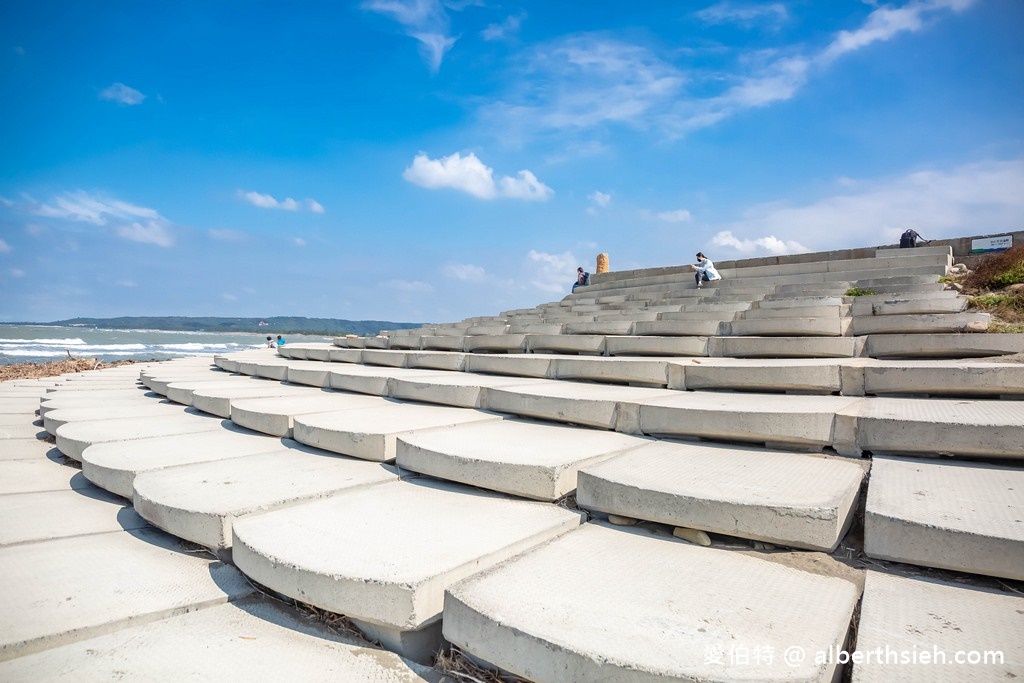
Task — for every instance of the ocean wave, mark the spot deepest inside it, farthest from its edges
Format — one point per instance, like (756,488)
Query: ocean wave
(61,342)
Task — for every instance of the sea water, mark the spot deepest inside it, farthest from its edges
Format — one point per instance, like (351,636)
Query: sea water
(43,343)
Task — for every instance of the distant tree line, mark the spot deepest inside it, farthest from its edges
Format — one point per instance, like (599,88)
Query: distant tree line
(276,324)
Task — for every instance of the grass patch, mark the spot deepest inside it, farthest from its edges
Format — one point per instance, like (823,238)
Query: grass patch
(1008,307)
(857,291)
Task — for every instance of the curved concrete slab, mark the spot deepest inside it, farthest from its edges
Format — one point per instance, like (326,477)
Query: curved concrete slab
(217,400)
(275,415)
(75,437)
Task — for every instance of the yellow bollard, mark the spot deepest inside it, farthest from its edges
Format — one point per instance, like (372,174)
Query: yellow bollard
(602,263)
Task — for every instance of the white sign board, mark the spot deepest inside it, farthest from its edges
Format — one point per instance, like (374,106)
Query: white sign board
(984,244)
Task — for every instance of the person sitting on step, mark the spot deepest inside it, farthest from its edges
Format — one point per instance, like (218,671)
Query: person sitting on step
(582,279)
(705,270)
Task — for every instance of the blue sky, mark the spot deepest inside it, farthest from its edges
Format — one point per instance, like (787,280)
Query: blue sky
(420,160)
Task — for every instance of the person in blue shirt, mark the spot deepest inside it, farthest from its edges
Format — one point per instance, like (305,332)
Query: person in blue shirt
(280,341)
(705,270)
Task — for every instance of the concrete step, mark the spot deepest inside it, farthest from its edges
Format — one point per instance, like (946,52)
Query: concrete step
(527,459)
(915,426)
(604,327)
(201,502)
(799,302)
(919,627)
(54,419)
(181,392)
(47,515)
(779,421)
(371,433)
(25,449)
(656,346)
(275,415)
(567,343)
(785,347)
(460,389)
(965,517)
(943,345)
(217,400)
(31,475)
(374,381)
(114,465)
(84,399)
(437,360)
(837,311)
(900,306)
(832,326)
(75,437)
(537,365)
(640,371)
(220,638)
(496,343)
(770,375)
(945,378)
(592,405)
(794,499)
(569,626)
(935,323)
(394,548)
(90,600)
(681,328)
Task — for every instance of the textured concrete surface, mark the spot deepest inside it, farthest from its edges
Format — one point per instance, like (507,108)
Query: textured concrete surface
(39,474)
(200,502)
(75,437)
(795,499)
(945,378)
(371,433)
(24,449)
(592,405)
(45,604)
(47,515)
(804,375)
(532,460)
(532,617)
(952,515)
(913,630)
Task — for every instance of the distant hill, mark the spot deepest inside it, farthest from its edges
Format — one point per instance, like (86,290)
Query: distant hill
(277,324)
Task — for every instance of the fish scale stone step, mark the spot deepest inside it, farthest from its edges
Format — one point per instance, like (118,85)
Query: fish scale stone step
(945,378)
(275,415)
(785,347)
(832,326)
(54,419)
(375,381)
(48,515)
(793,375)
(780,421)
(75,437)
(462,390)
(181,392)
(592,405)
(195,645)
(217,400)
(914,426)
(46,605)
(371,433)
(917,324)
(639,607)
(656,346)
(200,502)
(527,459)
(943,345)
(86,399)
(393,550)
(917,627)
(38,474)
(951,515)
(794,499)
(639,371)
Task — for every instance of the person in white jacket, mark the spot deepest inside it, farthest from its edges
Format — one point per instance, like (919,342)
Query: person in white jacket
(705,270)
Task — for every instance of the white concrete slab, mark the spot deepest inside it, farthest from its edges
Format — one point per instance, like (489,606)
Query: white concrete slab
(217,400)
(803,375)
(832,326)
(656,346)
(635,607)
(27,430)
(945,378)
(29,476)
(54,419)
(24,449)
(84,399)
(200,502)
(75,437)
(527,459)
(795,499)
(916,324)
(394,547)
(566,343)
(592,405)
(959,427)
(784,347)
(25,405)
(943,345)
(915,631)
(114,465)
(464,389)
(46,515)
(516,365)
(373,380)
(641,371)
(951,515)
(437,360)
(181,392)
(255,639)
(371,433)
(783,421)
(275,415)
(45,604)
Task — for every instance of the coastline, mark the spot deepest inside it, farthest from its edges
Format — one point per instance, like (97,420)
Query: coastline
(57,367)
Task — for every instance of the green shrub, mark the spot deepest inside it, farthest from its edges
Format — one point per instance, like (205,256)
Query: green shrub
(857,291)
(1000,269)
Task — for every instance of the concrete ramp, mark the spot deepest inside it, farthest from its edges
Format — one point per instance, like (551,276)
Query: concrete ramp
(916,629)
(952,515)
(393,550)
(635,607)
(795,499)
(528,459)
(200,502)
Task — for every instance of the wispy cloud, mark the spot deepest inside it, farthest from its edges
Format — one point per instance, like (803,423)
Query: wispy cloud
(600,198)
(985,196)
(16,272)
(227,235)
(4,247)
(745,15)
(466,272)
(122,94)
(589,82)
(504,29)
(470,175)
(551,273)
(126,283)
(266,201)
(298,241)
(131,222)
(424,20)
(674,216)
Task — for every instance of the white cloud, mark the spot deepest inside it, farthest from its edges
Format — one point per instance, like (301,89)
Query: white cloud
(228,297)
(122,94)
(16,272)
(298,241)
(126,283)
(408,286)
(153,232)
(677,216)
(468,174)
(424,20)
(4,247)
(744,15)
(551,273)
(134,223)
(976,198)
(464,271)
(504,29)
(266,201)
(227,235)
(600,198)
